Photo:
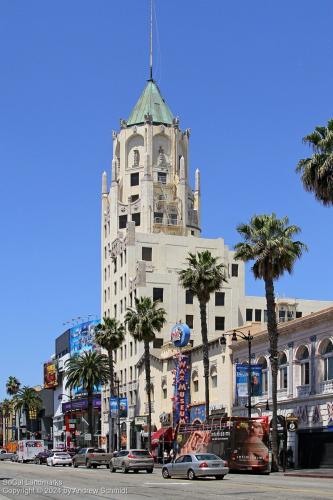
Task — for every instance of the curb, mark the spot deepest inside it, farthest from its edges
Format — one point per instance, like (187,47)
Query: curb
(316,476)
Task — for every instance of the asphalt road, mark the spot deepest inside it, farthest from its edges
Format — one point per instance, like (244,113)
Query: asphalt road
(41,482)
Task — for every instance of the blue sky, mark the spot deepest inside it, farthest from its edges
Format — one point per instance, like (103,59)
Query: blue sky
(249,78)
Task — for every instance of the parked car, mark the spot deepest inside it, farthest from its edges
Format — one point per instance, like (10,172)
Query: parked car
(59,458)
(132,460)
(92,457)
(196,465)
(14,458)
(4,455)
(42,456)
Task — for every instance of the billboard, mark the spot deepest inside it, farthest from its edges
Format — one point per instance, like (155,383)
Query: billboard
(242,371)
(50,375)
(180,335)
(181,399)
(240,441)
(81,337)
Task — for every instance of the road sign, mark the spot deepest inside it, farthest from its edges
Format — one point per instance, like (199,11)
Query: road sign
(87,437)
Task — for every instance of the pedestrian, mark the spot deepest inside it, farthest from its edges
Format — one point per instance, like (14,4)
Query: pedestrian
(172,454)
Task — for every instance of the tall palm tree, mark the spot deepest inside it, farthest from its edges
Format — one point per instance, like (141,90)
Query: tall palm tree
(268,242)
(27,400)
(88,370)
(6,409)
(202,277)
(12,386)
(110,336)
(317,171)
(143,321)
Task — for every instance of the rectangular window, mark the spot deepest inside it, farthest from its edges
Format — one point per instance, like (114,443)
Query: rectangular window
(131,348)
(135,179)
(135,346)
(105,274)
(122,221)
(219,322)
(125,280)
(134,197)
(188,297)
(214,381)
(125,303)
(257,315)
(105,253)
(158,217)
(249,314)
(125,256)
(189,320)
(137,219)
(219,298)
(131,299)
(158,294)
(298,314)
(195,385)
(121,306)
(104,295)
(121,283)
(165,392)
(125,351)
(147,254)
(282,316)
(121,354)
(234,270)
(131,373)
(115,288)
(115,310)
(121,260)
(162,177)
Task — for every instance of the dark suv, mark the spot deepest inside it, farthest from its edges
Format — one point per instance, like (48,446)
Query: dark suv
(42,456)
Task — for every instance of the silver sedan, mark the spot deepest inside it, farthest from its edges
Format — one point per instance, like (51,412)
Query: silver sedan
(195,465)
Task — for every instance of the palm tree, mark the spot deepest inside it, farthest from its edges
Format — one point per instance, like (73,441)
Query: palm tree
(143,322)
(88,370)
(28,401)
(110,336)
(202,277)
(6,409)
(12,386)
(269,242)
(317,171)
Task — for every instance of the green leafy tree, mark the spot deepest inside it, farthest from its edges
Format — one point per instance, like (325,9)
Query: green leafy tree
(88,370)
(27,401)
(144,321)
(317,170)
(110,335)
(268,241)
(202,277)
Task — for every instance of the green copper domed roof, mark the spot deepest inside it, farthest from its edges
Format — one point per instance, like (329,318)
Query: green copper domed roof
(151,102)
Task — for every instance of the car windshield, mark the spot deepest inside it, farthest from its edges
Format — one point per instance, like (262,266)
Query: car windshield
(141,453)
(63,455)
(98,450)
(207,456)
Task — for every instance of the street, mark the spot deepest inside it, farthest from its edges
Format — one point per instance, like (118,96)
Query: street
(35,481)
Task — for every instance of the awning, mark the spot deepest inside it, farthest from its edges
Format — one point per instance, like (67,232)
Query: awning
(164,432)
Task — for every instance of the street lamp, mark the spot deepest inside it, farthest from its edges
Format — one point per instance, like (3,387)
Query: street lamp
(234,339)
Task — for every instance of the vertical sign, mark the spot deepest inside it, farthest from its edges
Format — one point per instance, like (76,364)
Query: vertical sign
(181,400)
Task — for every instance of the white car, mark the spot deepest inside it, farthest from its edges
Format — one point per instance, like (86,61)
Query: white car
(59,458)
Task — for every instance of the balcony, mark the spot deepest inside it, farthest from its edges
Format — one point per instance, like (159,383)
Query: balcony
(133,386)
(303,391)
(326,386)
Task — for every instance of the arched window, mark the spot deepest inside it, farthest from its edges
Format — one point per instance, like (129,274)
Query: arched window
(264,377)
(164,390)
(327,355)
(303,358)
(213,376)
(195,381)
(283,370)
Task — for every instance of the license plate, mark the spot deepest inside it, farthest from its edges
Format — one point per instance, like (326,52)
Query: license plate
(217,465)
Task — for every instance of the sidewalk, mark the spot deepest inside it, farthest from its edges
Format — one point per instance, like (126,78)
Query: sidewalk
(317,473)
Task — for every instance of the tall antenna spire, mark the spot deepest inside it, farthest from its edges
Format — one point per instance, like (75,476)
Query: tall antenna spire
(151,42)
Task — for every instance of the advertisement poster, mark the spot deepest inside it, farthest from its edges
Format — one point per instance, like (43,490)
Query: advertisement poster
(123,407)
(181,400)
(50,375)
(81,337)
(240,441)
(242,371)
(197,414)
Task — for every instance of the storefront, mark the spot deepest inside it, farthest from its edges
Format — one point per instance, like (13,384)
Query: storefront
(162,442)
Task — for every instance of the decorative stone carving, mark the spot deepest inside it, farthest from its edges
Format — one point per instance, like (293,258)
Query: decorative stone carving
(123,123)
(162,129)
(175,122)
(148,118)
(161,157)
(136,158)
(135,129)
(114,135)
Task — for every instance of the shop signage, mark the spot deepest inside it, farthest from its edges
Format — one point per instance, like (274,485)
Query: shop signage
(80,404)
(329,414)
(140,420)
(292,423)
(50,375)
(181,400)
(180,335)
(242,373)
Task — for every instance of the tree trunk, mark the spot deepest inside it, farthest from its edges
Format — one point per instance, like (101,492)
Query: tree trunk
(111,419)
(148,384)
(203,317)
(273,342)
(90,414)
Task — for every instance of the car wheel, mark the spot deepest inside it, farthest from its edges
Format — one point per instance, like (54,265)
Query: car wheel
(136,471)
(95,466)
(124,469)
(88,464)
(75,465)
(112,469)
(220,476)
(107,466)
(165,473)
(149,471)
(53,464)
(190,475)
(69,465)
